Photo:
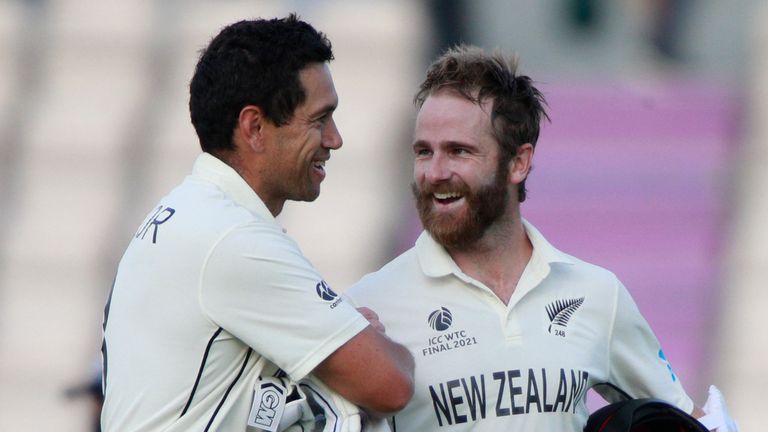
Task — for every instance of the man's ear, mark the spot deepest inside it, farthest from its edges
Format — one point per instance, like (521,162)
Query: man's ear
(520,165)
(250,128)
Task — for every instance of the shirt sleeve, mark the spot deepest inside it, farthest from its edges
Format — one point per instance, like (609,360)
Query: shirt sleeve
(258,286)
(638,366)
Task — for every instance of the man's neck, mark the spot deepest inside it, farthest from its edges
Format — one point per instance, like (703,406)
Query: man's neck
(251,173)
(499,258)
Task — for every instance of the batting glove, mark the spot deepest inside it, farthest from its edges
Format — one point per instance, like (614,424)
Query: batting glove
(717,418)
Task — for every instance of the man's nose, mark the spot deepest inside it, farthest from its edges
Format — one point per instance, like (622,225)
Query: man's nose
(437,169)
(331,136)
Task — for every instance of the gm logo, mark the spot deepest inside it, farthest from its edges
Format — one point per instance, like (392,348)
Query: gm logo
(440,319)
(268,405)
(325,292)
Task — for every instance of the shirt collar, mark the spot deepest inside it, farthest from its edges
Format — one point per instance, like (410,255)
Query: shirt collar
(212,169)
(435,260)
(543,248)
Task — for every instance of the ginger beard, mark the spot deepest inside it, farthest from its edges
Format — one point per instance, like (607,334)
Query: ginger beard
(459,229)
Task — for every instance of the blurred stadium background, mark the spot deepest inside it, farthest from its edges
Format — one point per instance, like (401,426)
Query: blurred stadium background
(652,166)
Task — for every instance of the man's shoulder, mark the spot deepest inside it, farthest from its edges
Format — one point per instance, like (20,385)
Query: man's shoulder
(589,267)
(587,273)
(563,265)
(391,276)
(196,214)
(208,205)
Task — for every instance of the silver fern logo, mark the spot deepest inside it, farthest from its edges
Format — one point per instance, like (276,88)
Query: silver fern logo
(560,312)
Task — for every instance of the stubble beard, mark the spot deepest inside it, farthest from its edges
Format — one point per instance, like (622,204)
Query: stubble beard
(461,229)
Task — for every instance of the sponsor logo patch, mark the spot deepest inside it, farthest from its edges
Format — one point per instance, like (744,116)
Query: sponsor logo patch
(325,292)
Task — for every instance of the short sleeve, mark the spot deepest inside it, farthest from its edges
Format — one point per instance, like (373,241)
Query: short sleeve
(257,285)
(638,367)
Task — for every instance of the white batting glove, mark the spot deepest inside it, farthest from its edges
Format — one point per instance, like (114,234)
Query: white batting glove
(717,418)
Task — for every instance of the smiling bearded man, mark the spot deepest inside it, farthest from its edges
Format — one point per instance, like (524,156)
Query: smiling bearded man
(482,208)
(508,332)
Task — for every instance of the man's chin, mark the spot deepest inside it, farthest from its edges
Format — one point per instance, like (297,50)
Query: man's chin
(308,196)
(451,234)
(452,240)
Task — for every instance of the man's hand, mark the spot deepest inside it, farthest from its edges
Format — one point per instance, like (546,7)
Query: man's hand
(370,370)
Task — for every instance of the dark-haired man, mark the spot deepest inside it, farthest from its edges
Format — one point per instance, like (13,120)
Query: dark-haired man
(215,314)
(508,332)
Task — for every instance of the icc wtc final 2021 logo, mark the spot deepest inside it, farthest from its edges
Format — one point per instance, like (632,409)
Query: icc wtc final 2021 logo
(441,320)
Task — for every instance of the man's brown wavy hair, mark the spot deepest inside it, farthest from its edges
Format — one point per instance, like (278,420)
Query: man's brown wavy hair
(517,106)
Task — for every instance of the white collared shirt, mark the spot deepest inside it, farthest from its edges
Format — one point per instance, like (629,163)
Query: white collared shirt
(210,294)
(483,365)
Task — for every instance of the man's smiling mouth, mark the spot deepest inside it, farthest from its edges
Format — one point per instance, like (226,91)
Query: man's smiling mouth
(447,197)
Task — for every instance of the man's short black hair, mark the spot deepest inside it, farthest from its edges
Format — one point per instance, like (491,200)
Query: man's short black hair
(254,62)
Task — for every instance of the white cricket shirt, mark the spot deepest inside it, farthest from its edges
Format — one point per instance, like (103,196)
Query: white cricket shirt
(209,294)
(482,365)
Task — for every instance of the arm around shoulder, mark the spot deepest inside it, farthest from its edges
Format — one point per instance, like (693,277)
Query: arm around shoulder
(371,371)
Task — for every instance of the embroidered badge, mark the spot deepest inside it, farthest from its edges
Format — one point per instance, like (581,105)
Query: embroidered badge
(560,312)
